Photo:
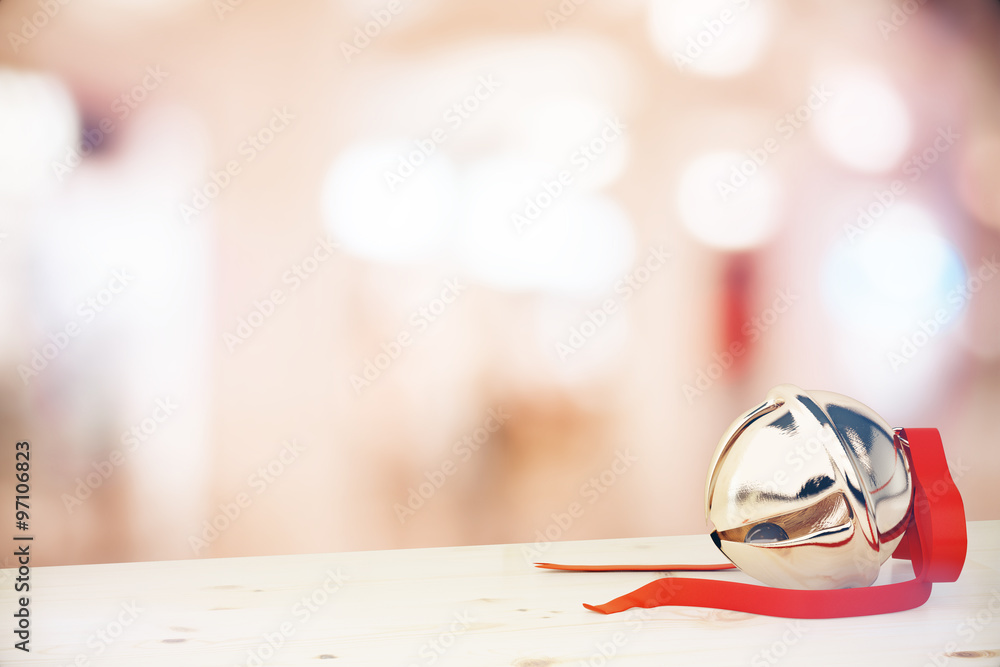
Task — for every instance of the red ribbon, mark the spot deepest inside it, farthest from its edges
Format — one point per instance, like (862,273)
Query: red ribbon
(935,543)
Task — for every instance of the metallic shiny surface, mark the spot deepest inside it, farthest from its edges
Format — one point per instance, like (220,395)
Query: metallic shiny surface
(809,490)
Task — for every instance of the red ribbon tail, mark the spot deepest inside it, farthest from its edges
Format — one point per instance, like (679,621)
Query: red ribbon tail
(786,603)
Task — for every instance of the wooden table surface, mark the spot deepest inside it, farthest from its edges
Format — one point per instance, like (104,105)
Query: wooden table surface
(470,606)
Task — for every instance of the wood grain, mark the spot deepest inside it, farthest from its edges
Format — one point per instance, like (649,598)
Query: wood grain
(470,606)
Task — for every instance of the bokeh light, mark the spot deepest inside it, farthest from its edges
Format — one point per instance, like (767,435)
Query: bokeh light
(564,242)
(717,38)
(391,201)
(866,124)
(38,125)
(899,271)
(728,201)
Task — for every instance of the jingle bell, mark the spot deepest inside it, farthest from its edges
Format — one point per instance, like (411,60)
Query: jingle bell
(809,490)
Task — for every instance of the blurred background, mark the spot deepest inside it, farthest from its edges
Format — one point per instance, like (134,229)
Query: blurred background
(366,274)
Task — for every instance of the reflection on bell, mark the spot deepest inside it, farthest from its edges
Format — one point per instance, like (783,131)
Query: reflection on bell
(809,490)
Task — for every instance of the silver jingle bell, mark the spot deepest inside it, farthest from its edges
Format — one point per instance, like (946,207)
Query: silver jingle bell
(809,490)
